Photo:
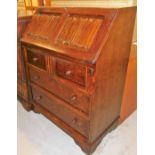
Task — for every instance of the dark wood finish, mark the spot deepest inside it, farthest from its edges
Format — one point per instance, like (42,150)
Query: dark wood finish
(88,24)
(66,113)
(36,59)
(71,71)
(22,89)
(129,101)
(59,16)
(73,96)
(78,77)
(113,65)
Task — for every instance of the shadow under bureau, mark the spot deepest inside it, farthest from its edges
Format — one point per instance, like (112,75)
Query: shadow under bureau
(76,62)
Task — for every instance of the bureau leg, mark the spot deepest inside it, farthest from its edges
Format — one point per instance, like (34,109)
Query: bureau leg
(90,148)
(86,147)
(36,110)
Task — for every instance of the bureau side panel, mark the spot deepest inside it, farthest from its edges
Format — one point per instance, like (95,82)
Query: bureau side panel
(129,101)
(111,70)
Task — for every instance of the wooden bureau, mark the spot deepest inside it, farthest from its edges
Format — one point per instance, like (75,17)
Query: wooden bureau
(76,62)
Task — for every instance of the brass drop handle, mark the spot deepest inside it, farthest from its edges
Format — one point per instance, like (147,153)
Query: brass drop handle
(39,97)
(74,121)
(43,37)
(65,42)
(91,71)
(67,73)
(36,77)
(35,59)
(73,98)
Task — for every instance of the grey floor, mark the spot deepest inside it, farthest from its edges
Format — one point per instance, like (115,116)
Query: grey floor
(38,136)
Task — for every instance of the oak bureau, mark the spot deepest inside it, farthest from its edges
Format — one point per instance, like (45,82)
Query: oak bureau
(76,61)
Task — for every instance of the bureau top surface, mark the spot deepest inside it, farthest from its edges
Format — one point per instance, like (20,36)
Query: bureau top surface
(79,33)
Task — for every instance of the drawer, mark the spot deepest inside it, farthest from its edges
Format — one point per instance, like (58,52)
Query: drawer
(36,59)
(71,71)
(60,109)
(71,95)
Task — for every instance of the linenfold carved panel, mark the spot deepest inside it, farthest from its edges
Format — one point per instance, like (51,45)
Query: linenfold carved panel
(86,30)
(42,27)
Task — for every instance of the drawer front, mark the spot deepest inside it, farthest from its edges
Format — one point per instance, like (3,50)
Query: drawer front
(60,109)
(71,71)
(36,59)
(74,97)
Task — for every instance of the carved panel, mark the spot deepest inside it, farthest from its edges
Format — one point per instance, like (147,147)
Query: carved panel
(86,31)
(42,27)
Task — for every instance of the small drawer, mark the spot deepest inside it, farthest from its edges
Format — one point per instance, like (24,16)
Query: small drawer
(71,71)
(72,96)
(60,109)
(36,59)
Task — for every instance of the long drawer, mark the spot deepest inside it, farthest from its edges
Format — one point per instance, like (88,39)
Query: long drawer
(60,109)
(76,98)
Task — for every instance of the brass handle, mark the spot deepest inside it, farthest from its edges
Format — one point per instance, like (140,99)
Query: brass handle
(73,98)
(35,59)
(74,121)
(91,71)
(39,97)
(36,77)
(65,42)
(67,73)
(43,37)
